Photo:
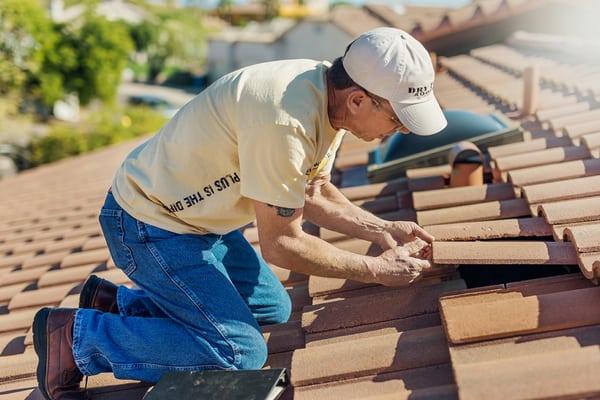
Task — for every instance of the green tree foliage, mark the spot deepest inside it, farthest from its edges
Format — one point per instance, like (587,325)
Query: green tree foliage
(42,61)
(26,36)
(111,125)
(143,35)
(180,42)
(103,49)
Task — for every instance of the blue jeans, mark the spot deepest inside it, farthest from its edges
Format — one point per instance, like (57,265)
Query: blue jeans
(199,306)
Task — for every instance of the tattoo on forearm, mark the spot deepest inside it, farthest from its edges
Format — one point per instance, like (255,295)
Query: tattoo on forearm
(283,212)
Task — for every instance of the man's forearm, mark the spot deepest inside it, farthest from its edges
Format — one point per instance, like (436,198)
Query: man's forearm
(327,207)
(313,256)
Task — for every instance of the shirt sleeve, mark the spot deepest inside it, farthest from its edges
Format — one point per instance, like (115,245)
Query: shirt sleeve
(273,164)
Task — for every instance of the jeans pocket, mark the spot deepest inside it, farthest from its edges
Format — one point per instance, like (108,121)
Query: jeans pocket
(111,222)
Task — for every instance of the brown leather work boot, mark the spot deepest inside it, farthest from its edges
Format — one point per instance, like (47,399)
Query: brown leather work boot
(57,374)
(99,294)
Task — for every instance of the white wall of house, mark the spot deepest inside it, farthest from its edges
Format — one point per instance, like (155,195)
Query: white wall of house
(248,53)
(317,40)
(219,58)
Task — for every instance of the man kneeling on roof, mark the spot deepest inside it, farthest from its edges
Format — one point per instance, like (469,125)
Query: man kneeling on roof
(259,144)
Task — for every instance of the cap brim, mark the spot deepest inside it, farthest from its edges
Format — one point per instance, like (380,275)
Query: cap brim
(423,119)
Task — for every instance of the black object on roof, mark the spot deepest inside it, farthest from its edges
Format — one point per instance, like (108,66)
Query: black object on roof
(259,384)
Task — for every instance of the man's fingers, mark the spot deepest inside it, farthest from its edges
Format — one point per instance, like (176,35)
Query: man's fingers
(423,265)
(422,234)
(388,242)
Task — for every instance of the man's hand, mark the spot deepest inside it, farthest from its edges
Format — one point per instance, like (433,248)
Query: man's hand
(401,232)
(395,267)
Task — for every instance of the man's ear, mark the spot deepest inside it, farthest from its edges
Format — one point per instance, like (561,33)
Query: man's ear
(355,100)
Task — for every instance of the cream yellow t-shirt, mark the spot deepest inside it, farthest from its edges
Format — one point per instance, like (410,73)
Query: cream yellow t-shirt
(259,133)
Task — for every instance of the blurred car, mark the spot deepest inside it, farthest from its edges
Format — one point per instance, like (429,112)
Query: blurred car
(158,103)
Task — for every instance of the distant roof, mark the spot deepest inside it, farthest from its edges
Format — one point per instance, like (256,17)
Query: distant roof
(354,21)
(265,32)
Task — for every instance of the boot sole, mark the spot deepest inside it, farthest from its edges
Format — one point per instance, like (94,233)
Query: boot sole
(40,344)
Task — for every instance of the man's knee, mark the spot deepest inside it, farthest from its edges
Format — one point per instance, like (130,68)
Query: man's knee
(253,351)
(280,310)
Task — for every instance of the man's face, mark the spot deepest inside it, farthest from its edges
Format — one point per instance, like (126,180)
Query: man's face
(375,119)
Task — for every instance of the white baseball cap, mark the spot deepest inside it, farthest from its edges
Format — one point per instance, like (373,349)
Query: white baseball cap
(393,65)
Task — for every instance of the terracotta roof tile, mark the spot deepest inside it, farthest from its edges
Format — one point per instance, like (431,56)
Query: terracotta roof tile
(14,261)
(591,140)
(375,190)
(554,172)
(476,212)
(504,318)
(86,230)
(426,183)
(319,286)
(578,210)
(437,171)
(371,330)
(67,275)
(98,256)
(555,112)
(7,292)
(514,347)
(31,247)
(586,240)
(441,198)
(374,308)
(94,244)
(542,157)
(504,252)
(17,320)
(498,229)
(399,215)
(20,276)
(551,284)
(537,377)
(41,297)
(381,204)
(284,337)
(576,118)
(579,129)
(388,353)
(420,383)
(70,245)
(562,190)
(43,260)
(528,146)
(17,366)
(558,231)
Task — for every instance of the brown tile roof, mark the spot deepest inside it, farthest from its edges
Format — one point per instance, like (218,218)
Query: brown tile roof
(535,338)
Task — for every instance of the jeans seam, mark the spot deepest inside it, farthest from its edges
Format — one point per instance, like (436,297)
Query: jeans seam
(77,329)
(181,285)
(119,300)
